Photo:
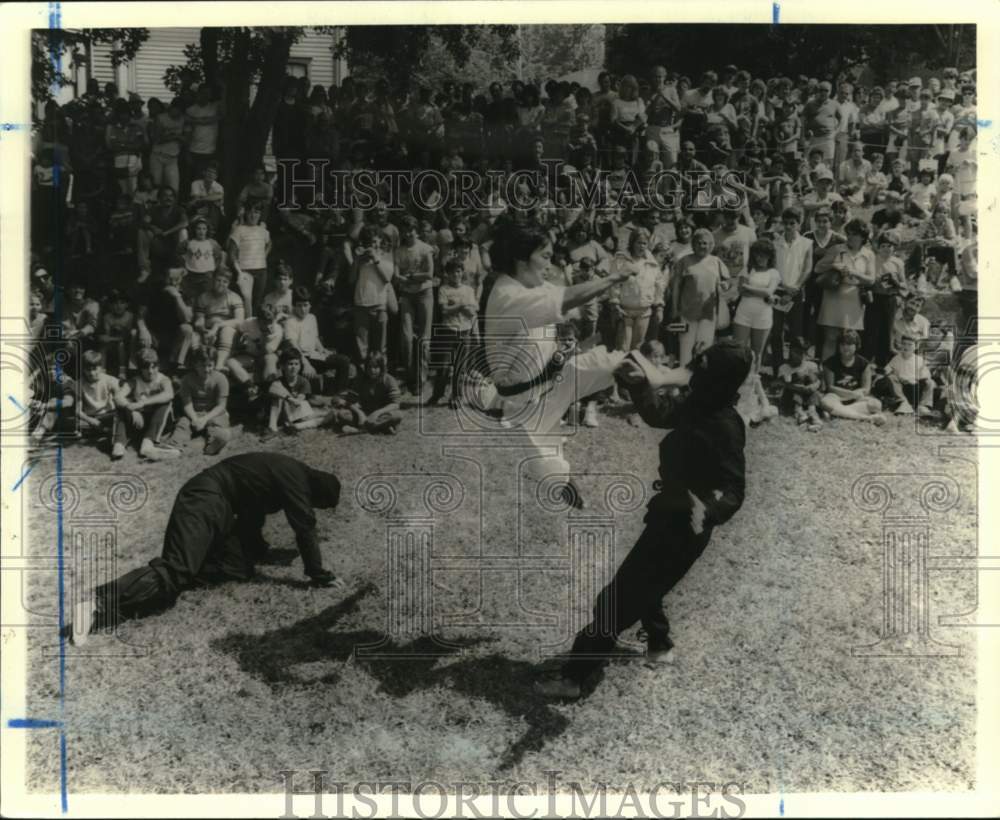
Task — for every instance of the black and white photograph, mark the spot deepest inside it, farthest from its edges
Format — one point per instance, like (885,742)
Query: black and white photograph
(423,410)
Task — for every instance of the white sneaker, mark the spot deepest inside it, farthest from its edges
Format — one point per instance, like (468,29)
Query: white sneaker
(590,416)
(117,450)
(658,657)
(154,453)
(905,409)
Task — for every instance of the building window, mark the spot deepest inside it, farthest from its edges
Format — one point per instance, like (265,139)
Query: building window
(297,68)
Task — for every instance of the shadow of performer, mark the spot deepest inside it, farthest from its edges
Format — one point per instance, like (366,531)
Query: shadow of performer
(505,683)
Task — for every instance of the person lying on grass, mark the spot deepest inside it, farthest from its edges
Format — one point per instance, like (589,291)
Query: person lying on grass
(214,535)
(702,485)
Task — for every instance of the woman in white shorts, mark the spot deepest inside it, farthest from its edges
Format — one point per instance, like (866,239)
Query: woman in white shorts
(755,315)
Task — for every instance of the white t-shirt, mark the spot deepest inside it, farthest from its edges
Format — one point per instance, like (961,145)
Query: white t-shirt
(910,371)
(252,243)
(521,329)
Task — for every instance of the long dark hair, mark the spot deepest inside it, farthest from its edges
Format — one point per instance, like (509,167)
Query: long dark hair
(515,243)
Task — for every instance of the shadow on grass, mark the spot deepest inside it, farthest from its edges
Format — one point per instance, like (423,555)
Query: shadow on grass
(420,664)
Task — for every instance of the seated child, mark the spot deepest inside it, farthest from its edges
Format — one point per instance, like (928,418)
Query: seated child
(801,378)
(204,394)
(165,323)
(302,332)
(459,308)
(217,312)
(146,408)
(255,354)
(377,397)
(910,380)
(288,397)
(848,381)
(114,336)
(98,397)
(53,407)
(280,296)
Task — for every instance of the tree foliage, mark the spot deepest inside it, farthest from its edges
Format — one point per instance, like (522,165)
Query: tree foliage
(764,50)
(53,50)
(405,54)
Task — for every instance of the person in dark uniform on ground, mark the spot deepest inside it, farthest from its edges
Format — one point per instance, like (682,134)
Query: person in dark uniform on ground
(702,484)
(214,534)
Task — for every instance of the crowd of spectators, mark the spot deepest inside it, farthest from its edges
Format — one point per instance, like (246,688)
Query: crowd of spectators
(187,303)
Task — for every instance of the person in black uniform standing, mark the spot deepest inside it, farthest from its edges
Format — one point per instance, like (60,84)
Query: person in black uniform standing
(702,484)
(214,534)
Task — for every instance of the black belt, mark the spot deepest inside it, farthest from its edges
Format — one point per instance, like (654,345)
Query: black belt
(551,369)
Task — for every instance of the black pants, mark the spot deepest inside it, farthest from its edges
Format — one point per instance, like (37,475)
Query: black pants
(453,345)
(792,320)
(876,342)
(204,543)
(664,553)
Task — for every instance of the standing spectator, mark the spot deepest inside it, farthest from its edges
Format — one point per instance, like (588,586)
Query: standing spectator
(414,267)
(202,120)
(126,142)
(822,120)
(249,246)
(373,270)
(847,126)
(458,314)
(754,315)
(698,277)
(843,272)
(890,285)
(167,135)
(633,298)
(793,259)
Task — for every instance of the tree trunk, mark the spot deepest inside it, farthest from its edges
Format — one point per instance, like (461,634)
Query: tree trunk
(209,42)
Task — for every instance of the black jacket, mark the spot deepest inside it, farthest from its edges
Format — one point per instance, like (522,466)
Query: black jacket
(255,483)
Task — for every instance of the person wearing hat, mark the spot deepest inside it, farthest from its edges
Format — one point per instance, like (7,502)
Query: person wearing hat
(823,196)
(214,535)
(945,122)
(702,485)
(822,117)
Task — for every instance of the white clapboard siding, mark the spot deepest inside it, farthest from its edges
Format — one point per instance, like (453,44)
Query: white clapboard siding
(164,48)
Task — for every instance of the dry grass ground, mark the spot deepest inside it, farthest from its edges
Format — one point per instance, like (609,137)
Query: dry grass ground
(243,680)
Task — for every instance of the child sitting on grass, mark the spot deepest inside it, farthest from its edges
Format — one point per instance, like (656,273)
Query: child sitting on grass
(204,393)
(288,398)
(146,409)
(377,397)
(302,332)
(910,380)
(115,330)
(848,382)
(98,397)
(255,355)
(54,408)
(802,391)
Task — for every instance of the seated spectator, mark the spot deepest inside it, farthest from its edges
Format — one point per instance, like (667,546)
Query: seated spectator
(166,323)
(98,397)
(204,395)
(280,296)
(255,353)
(910,380)
(80,315)
(258,191)
(208,199)
(121,249)
(802,386)
(217,312)
(888,217)
(54,409)
(288,398)
(875,181)
(162,234)
(377,397)
(146,407)
(847,381)
(302,332)
(117,329)
(910,322)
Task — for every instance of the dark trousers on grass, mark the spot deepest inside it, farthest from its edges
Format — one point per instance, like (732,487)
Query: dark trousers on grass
(876,342)
(792,320)
(664,553)
(204,543)
(453,344)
